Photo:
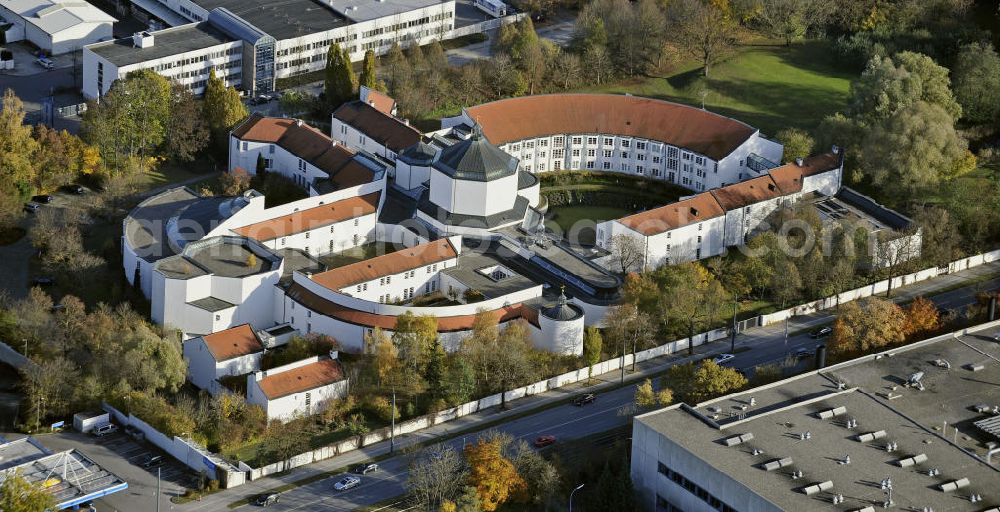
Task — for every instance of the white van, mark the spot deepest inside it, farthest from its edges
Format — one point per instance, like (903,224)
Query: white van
(105,429)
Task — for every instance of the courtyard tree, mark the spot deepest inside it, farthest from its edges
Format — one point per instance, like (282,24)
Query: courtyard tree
(17,147)
(414,336)
(797,143)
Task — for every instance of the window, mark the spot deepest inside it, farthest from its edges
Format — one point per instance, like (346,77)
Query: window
(355,222)
(656,159)
(641,146)
(577,140)
(558,141)
(307,235)
(699,239)
(607,153)
(557,153)
(701,225)
(388,279)
(606,165)
(245,146)
(626,143)
(591,153)
(543,143)
(529,145)
(624,166)
(624,154)
(302,165)
(359,288)
(639,169)
(576,152)
(270,148)
(640,157)
(699,160)
(590,164)
(592,141)
(282,242)
(608,141)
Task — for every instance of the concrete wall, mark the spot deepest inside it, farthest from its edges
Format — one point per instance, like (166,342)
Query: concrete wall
(186,451)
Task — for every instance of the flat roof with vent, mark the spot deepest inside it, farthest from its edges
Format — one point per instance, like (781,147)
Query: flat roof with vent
(800,427)
(166,43)
(365,10)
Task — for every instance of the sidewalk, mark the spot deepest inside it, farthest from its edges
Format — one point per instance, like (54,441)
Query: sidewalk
(485,419)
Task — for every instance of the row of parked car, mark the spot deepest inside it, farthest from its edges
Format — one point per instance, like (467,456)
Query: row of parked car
(37,201)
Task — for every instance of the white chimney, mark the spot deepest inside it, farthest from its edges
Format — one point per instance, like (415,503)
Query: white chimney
(836,149)
(142,39)
(334,354)
(798,161)
(298,122)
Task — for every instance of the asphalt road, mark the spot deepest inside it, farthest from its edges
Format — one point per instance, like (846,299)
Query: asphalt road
(755,347)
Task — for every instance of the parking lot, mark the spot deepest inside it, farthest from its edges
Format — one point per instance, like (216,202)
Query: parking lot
(124,456)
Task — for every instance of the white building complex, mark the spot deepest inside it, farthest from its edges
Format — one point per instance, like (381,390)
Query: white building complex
(55,26)
(449,224)
(880,432)
(255,42)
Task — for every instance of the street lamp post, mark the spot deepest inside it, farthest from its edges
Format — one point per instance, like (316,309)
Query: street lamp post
(392,428)
(571,496)
(732,334)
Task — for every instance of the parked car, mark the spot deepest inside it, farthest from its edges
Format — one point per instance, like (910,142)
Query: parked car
(802,353)
(364,469)
(45,63)
(134,433)
(544,441)
(996,336)
(821,332)
(584,399)
(76,189)
(42,199)
(723,358)
(42,281)
(348,482)
(151,461)
(32,207)
(264,500)
(105,429)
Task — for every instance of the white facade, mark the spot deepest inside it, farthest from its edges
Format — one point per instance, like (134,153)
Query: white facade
(189,68)
(57,27)
(636,157)
(204,370)
(683,244)
(243,154)
(299,403)
(470,197)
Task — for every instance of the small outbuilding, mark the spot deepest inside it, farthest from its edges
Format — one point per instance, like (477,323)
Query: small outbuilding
(87,421)
(55,26)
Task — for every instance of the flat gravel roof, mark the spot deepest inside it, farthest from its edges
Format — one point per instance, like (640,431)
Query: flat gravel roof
(171,41)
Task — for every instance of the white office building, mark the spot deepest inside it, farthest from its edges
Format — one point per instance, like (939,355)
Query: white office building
(55,26)
(299,388)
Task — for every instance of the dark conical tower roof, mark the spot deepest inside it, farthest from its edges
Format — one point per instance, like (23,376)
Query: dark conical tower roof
(476,159)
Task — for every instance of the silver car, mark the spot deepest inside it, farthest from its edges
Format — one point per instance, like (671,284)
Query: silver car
(348,482)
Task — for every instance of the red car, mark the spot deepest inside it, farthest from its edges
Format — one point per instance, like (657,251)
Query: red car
(544,441)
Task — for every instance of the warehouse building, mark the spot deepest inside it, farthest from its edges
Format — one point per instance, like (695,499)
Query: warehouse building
(55,26)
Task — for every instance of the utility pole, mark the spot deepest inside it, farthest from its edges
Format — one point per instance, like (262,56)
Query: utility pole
(157,489)
(571,496)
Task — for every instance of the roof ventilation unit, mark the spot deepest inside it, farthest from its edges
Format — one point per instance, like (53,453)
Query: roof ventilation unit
(817,488)
(916,459)
(776,464)
(871,436)
(831,413)
(954,485)
(740,439)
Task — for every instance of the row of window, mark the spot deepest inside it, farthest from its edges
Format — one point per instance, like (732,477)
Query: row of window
(199,58)
(693,488)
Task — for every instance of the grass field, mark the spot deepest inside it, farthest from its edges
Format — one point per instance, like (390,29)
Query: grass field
(767,86)
(581,218)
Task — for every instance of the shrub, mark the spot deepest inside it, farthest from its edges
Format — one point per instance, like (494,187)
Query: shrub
(213,485)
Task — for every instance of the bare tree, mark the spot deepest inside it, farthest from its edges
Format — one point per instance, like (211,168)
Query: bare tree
(627,252)
(436,474)
(702,29)
(791,19)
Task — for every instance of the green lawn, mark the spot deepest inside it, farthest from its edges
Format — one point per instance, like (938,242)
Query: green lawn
(565,218)
(171,172)
(768,86)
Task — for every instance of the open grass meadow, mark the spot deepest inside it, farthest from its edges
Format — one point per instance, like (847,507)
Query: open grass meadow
(769,86)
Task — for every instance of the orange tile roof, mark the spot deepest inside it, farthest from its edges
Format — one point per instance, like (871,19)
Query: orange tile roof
(746,192)
(302,140)
(377,125)
(303,378)
(381,101)
(528,117)
(672,216)
(387,265)
(233,342)
(789,176)
(325,307)
(312,218)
